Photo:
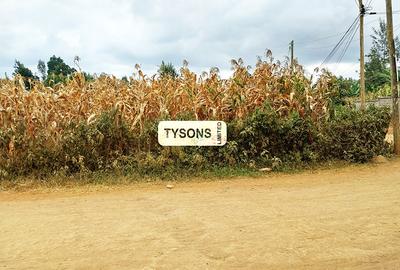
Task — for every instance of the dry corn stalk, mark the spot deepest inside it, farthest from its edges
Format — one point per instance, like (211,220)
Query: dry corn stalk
(149,98)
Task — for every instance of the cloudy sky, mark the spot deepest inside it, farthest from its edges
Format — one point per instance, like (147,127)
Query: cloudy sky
(112,36)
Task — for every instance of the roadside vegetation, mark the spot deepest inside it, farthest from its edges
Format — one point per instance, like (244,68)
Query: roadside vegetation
(276,116)
(66,122)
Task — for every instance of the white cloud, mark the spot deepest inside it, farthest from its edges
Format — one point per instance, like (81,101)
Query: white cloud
(112,36)
(345,69)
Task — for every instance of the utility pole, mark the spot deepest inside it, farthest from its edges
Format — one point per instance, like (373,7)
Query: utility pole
(394,82)
(291,48)
(362,62)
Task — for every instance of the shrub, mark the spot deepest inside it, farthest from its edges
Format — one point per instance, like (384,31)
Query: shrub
(356,135)
(96,145)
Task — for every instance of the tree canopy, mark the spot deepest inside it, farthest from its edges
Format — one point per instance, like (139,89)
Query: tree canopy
(377,72)
(20,69)
(42,69)
(26,73)
(167,70)
(57,71)
(57,66)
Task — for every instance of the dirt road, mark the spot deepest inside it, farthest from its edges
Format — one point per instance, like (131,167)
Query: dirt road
(332,219)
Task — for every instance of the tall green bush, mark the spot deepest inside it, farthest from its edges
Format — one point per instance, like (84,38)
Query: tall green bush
(356,135)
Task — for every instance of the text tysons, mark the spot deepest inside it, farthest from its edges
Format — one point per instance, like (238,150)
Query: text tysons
(188,133)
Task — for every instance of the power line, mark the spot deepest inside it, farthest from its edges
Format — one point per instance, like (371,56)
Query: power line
(321,38)
(305,44)
(345,38)
(308,47)
(344,43)
(329,36)
(348,44)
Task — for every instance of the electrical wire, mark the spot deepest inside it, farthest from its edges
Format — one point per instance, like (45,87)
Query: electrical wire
(308,47)
(309,42)
(321,38)
(348,34)
(345,43)
(348,44)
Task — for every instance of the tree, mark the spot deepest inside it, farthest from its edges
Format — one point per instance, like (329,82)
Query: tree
(25,73)
(20,69)
(377,70)
(77,59)
(344,88)
(379,41)
(88,77)
(167,70)
(57,71)
(57,66)
(42,69)
(125,79)
(348,87)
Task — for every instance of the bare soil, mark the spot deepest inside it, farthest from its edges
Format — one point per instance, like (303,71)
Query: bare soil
(346,218)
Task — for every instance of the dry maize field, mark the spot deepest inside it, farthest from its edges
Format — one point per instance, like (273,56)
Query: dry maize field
(144,98)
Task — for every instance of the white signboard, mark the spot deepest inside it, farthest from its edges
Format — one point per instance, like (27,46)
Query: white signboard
(192,133)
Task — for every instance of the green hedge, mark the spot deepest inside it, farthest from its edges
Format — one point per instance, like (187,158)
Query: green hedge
(263,139)
(355,135)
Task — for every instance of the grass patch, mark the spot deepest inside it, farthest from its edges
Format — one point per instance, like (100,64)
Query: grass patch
(118,178)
